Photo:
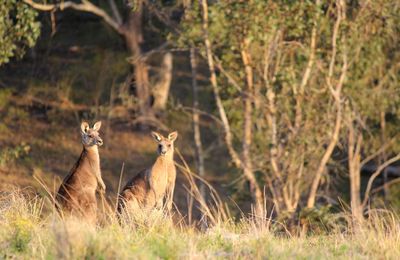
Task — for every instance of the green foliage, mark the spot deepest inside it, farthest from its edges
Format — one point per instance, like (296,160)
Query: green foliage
(18,29)
(5,95)
(277,36)
(11,154)
(22,234)
(322,220)
(374,75)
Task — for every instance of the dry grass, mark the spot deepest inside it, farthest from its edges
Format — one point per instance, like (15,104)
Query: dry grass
(29,228)
(29,231)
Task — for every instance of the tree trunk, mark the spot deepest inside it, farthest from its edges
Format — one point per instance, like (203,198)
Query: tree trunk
(354,155)
(247,129)
(255,189)
(196,123)
(336,94)
(161,89)
(383,158)
(132,31)
(134,38)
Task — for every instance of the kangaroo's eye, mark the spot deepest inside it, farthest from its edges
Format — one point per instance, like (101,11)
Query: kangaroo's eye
(91,136)
(169,145)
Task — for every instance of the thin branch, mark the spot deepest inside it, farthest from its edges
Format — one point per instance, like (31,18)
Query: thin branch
(336,94)
(213,78)
(377,153)
(115,11)
(375,175)
(149,120)
(248,126)
(157,11)
(84,6)
(271,108)
(385,186)
(159,49)
(307,72)
(202,112)
(230,78)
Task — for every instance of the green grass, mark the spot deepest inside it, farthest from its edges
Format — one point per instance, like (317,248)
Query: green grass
(27,232)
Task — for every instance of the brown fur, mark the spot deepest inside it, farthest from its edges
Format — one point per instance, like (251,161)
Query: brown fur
(77,194)
(150,187)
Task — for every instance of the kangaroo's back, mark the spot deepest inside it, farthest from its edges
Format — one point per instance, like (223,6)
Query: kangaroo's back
(134,192)
(66,191)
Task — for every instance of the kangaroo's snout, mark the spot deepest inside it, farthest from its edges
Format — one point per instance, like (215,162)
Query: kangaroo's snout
(99,141)
(162,150)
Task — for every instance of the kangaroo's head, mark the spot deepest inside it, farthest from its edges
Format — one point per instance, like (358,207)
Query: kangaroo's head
(90,136)
(165,145)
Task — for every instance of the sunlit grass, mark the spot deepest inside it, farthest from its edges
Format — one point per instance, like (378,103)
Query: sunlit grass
(27,232)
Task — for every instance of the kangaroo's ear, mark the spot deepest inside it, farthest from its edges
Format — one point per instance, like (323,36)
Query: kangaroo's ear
(97,126)
(156,136)
(172,136)
(84,127)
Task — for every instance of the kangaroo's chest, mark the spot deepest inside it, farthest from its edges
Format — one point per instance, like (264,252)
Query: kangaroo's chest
(159,182)
(159,179)
(84,180)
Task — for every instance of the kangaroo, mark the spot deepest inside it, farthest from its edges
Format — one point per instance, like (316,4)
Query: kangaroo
(77,194)
(151,186)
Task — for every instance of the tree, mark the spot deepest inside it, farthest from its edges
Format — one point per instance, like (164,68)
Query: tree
(280,73)
(18,29)
(372,100)
(130,28)
(262,84)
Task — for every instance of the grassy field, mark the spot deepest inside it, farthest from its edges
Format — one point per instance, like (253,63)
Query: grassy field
(29,230)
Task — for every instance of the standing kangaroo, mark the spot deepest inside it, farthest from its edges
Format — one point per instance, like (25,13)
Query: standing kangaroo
(151,186)
(77,194)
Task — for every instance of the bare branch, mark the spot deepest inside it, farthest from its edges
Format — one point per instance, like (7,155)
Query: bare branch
(230,78)
(248,126)
(156,10)
(203,113)
(336,94)
(385,186)
(115,11)
(213,78)
(257,194)
(84,6)
(307,73)
(377,153)
(375,175)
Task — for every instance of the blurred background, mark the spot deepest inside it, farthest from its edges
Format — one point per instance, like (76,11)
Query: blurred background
(291,106)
